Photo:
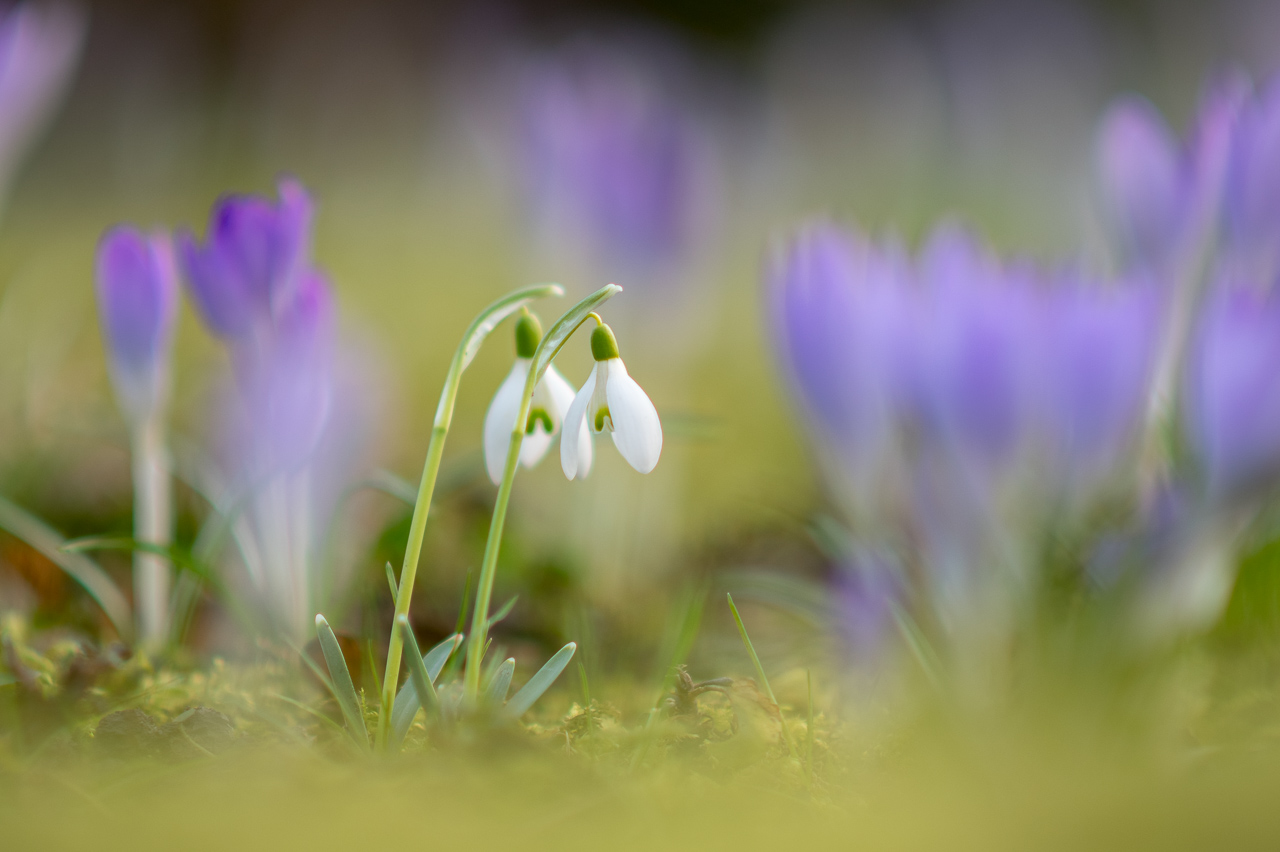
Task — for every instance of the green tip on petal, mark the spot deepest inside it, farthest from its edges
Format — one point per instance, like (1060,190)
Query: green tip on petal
(603,344)
(602,415)
(536,416)
(528,335)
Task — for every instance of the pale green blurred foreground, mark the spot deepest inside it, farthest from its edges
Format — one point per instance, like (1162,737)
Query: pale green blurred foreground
(1015,794)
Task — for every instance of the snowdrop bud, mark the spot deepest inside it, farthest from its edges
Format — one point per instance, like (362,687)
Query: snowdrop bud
(603,344)
(528,335)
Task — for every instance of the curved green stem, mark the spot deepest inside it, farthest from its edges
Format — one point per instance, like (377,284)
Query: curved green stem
(542,358)
(479,329)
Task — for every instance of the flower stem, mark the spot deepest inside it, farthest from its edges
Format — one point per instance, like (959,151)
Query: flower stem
(152,524)
(467,348)
(547,350)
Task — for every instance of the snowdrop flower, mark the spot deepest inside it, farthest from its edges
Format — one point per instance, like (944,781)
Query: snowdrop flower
(551,399)
(610,400)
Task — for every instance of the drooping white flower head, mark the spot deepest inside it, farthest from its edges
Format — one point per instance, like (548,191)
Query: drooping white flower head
(551,399)
(610,401)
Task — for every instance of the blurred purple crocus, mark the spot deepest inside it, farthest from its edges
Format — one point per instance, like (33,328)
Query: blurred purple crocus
(961,401)
(292,434)
(39,48)
(249,270)
(1232,392)
(614,167)
(137,293)
(1166,196)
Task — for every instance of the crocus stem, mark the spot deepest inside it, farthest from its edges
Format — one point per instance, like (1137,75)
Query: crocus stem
(546,352)
(475,335)
(152,524)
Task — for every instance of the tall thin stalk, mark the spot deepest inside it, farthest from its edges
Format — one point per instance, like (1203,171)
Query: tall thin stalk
(547,350)
(485,322)
(152,524)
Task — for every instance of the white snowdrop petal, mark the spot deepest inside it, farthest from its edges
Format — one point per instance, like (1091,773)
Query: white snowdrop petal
(637,432)
(585,449)
(573,430)
(559,394)
(501,419)
(534,446)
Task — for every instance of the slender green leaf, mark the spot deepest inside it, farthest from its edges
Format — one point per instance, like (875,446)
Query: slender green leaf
(540,682)
(764,680)
(496,695)
(551,344)
(503,612)
(919,646)
(343,688)
(491,667)
(20,523)
(407,703)
(500,310)
(179,556)
(391,580)
(418,674)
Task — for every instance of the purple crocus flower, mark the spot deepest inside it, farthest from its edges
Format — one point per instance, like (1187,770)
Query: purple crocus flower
(964,400)
(293,428)
(1163,195)
(614,167)
(868,586)
(251,265)
(1232,392)
(838,303)
(287,385)
(137,302)
(39,48)
(1251,228)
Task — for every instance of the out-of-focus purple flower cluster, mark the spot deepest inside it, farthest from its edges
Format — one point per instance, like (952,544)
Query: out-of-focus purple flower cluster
(39,48)
(291,432)
(969,407)
(617,171)
(961,401)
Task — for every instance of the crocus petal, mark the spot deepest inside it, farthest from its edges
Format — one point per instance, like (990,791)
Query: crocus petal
(137,301)
(573,432)
(637,432)
(501,419)
(1142,175)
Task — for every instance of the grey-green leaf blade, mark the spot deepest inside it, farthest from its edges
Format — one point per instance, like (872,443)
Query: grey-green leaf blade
(343,688)
(540,682)
(496,694)
(407,704)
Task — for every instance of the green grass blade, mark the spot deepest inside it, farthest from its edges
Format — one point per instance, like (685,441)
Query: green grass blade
(503,612)
(418,674)
(343,689)
(407,703)
(918,645)
(391,581)
(764,680)
(540,682)
(22,524)
(496,695)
